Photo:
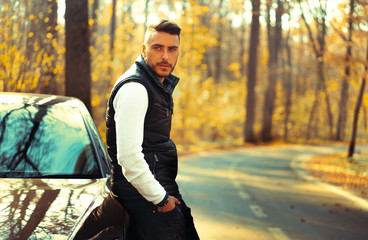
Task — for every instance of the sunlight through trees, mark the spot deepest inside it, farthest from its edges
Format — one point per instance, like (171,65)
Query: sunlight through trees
(298,80)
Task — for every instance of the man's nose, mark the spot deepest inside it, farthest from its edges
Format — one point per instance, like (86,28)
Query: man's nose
(165,55)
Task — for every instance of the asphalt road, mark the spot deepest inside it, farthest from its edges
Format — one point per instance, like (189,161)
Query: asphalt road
(263,193)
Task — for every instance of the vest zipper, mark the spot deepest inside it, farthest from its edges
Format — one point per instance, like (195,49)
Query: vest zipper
(154,164)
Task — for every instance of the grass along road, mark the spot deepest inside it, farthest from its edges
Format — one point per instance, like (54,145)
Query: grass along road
(337,170)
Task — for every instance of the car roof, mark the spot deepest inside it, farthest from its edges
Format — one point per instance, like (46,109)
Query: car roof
(39,99)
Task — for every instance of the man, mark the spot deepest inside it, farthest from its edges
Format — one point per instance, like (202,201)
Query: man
(144,158)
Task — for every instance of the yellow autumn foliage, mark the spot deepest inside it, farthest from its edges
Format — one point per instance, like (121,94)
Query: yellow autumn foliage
(206,110)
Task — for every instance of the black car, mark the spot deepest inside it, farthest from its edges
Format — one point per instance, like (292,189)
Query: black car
(53,166)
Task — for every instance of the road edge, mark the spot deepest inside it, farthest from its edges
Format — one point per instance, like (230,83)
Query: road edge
(298,166)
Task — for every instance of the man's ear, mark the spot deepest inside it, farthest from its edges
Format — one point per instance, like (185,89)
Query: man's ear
(144,51)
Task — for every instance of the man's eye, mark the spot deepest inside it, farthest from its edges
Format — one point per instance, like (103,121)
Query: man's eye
(157,48)
(173,49)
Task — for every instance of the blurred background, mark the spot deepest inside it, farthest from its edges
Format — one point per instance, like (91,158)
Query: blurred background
(251,71)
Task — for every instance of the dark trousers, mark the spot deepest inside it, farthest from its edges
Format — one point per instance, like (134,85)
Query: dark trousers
(146,223)
(105,222)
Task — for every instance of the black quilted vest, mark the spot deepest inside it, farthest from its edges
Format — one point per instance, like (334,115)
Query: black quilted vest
(158,149)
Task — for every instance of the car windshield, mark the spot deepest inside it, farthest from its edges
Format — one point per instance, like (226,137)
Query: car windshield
(38,140)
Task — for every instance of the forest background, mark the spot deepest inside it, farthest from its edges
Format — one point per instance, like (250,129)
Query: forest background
(251,71)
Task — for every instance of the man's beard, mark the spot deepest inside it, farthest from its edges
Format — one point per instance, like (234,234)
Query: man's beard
(166,63)
(153,67)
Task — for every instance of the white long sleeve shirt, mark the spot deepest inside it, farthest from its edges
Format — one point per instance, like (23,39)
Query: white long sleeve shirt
(131,104)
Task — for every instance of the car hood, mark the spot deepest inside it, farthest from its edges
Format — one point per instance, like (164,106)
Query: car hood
(47,208)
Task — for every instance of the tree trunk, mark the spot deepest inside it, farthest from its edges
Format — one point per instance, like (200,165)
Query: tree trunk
(252,73)
(287,85)
(112,41)
(318,47)
(243,68)
(94,24)
(327,98)
(312,113)
(274,40)
(77,55)
(357,108)
(112,29)
(34,37)
(206,21)
(345,82)
(218,52)
(49,84)
(146,15)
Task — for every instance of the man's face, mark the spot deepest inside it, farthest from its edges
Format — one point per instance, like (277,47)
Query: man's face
(161,53)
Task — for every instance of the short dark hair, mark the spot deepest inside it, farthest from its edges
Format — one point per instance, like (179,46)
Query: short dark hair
(163,26)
